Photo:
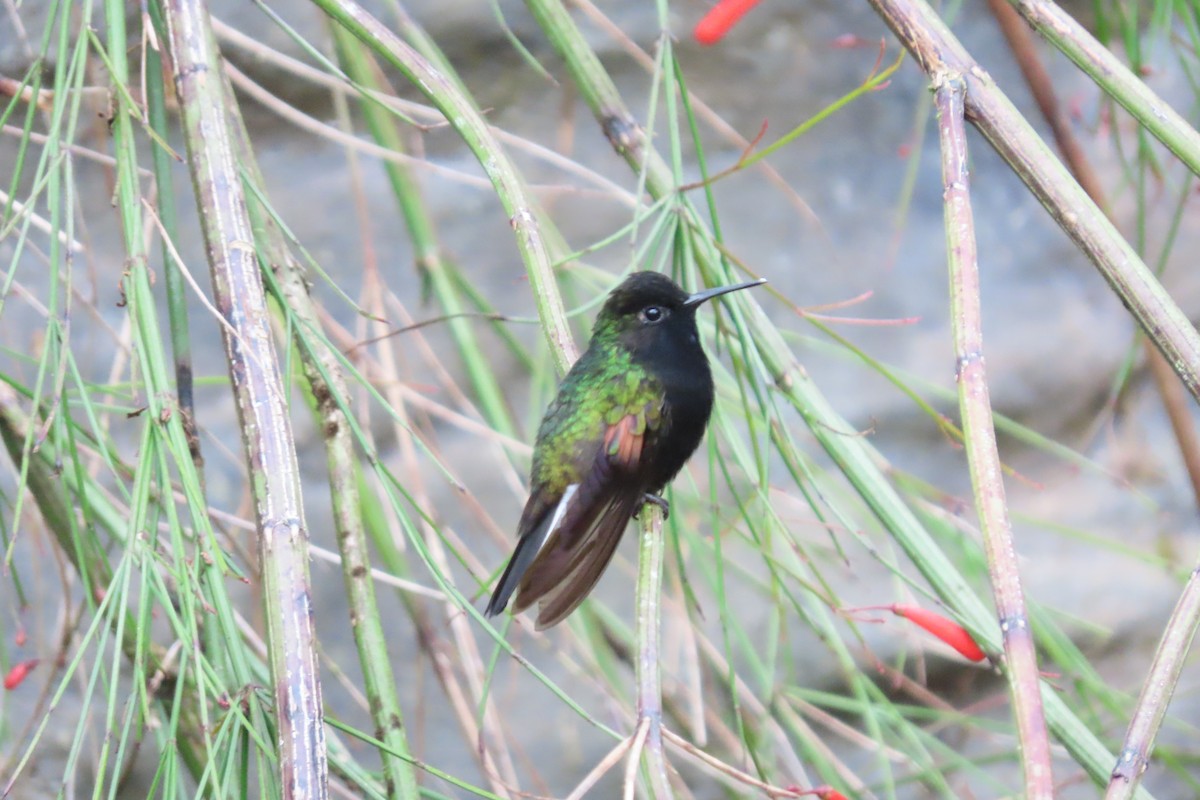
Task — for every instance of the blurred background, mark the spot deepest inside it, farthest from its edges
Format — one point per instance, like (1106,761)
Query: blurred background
(845,222)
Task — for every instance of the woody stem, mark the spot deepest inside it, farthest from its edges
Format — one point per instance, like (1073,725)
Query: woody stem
(649,676)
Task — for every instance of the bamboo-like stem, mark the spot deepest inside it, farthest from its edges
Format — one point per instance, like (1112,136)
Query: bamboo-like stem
(254,372)
(465,695)
(648,669)
(925,35)
(323,371)
(1163,675)
(478,136)
(979,438)
(1116,79)
(177,313)
(1020,41)
(1155,696)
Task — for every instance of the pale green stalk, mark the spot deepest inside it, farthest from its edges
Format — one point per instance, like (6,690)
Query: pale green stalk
(329,393)
(462,115)
(648,668)
(979,437)
(1116,79)
(266,429)
(430,265)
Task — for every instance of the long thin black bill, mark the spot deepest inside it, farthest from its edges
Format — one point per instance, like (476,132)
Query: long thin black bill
(708,294)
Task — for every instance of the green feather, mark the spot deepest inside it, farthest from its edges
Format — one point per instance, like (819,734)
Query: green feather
(604,386)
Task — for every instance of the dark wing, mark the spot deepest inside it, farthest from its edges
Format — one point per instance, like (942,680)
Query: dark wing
(537,519)
(582,532)
(580,569)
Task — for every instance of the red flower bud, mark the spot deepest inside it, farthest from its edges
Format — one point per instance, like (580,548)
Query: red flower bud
(945,629)
(18,672)
(717,22)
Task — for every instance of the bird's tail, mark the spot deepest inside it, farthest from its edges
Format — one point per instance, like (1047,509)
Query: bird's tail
(526,551)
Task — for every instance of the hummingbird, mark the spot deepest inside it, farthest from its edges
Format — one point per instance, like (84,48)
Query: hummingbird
(626,418)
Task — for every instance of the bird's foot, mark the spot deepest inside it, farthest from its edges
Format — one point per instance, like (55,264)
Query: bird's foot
(658,501)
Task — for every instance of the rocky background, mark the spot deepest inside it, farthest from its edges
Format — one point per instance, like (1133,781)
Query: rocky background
(1055,334)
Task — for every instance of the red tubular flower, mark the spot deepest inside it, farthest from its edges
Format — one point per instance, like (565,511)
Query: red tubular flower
(18,672)
(717,22)
(820,792)
(945,629)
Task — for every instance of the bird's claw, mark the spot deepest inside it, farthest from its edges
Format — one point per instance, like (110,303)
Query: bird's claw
(658,501)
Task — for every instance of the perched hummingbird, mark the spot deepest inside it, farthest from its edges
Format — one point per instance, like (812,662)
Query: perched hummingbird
(629,414)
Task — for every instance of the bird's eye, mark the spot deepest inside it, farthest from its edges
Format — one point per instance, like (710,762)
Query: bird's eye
(651,314)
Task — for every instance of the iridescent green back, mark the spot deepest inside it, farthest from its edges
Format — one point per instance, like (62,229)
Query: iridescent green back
(604,385)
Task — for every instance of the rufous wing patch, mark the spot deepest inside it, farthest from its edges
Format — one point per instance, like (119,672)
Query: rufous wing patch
(624,440)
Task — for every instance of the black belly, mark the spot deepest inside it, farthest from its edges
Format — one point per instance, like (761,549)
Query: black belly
(686,416)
